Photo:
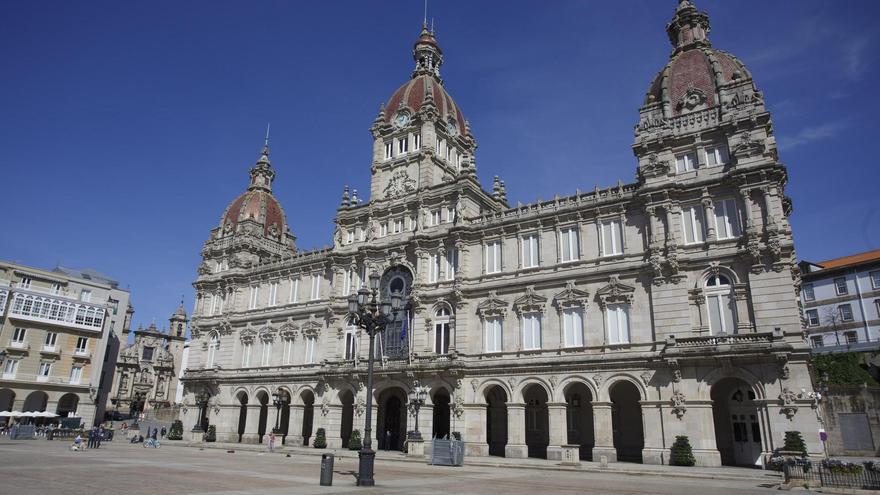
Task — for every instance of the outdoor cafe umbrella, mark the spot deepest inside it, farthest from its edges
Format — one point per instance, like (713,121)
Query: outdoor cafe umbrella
(5,414)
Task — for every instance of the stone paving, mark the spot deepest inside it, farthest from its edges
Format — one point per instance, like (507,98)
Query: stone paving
(39,467)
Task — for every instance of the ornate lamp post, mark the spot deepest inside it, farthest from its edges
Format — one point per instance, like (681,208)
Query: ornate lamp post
(417,397)
(280,400)
(202,403)
(367,313)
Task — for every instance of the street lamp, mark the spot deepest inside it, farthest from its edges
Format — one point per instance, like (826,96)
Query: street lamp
(280,400)
(202,403)
(417,397)
(367,313)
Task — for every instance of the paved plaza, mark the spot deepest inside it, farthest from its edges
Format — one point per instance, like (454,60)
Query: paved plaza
(39,467)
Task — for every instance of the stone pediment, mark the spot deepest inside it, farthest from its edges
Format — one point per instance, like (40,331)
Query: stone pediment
(288,331)
(615,292)
(312,327)
(267,333)
(571,297)
(531,302)
(248,335)
(492,306)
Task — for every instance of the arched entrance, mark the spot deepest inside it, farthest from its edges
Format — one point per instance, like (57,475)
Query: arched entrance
(395,338)
(579,418)
(537,421)
(284,422)
(496,420)
(67,405)
(391,419)
(441,414)
(308,399)
(263,398)
(626,421)
(242,413)
(7,399)
(347,400)
(737,425)
(35,402)
(138,401)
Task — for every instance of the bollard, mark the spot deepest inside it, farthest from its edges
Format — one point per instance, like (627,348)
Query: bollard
(326,469)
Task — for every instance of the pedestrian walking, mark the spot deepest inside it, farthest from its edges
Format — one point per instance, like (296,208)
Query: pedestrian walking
(164,431)
(272,442)
(98,437)
(91,441)
(155,433)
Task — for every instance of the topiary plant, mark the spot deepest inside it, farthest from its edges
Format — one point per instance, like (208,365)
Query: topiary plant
(176,431)
(320,439)
(682,453)
(211,434)
(354,443)
(794,442)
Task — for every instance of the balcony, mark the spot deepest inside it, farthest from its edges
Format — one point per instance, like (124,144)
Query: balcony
(18,347)
(50,350)
(55,309)
(82,355)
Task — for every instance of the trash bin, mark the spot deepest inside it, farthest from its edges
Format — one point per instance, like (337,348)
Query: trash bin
(326,469)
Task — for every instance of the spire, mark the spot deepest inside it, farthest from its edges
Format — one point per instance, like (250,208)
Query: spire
(689,28)
(262,173)
(427,54)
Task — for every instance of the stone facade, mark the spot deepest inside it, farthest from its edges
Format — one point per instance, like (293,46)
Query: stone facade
(613,319)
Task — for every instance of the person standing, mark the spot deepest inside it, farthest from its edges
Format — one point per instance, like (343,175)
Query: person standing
(98,437)
(164,431)
(387,439)
(272,442)
(91,442)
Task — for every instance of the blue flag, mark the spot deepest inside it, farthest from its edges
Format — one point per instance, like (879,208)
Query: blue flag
(403,329)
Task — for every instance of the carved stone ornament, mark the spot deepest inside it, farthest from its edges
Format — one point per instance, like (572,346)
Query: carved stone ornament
(598,379)
(615,292)
(553,382)
(693,99)
(655,167)
(325,407)
(512,381)
(247,335)
(400,184)
(747,146)
(457,407)
(359,407)
(646,376)
(474,384)
(787,398)
(531,302)
(570,297)
(678,404)
(492,306)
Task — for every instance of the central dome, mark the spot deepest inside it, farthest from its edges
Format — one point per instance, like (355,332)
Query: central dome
(409,98)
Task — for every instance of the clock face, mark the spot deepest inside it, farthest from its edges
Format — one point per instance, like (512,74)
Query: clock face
(452,128)
(402,119)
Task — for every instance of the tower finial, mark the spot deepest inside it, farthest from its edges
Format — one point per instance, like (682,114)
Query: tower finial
(425,18)
(688,28)
(266,143)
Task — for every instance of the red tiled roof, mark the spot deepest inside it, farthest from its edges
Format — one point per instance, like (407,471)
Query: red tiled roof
(852,259)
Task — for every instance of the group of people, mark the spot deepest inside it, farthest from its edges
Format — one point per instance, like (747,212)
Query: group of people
(152,439)
(94,437)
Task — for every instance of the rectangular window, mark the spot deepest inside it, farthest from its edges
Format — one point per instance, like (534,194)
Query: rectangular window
(450,214)
(846,313)
(809,295)
(398,225)
(875,279)
(685,163)
(402,146)
(85,295)
(449,153)
(458,160)
(716,155)
(51,339)
(361,234)
(10,368)
(568,244)
(727,225)
(840,286)
(692,224)
(434,218)
(441,337)
(417,141)
(212,303)
(255,295)
(383,229)
(722,312)
(493,329)
(612,240)
(441,146)
(618,323)
(148,353)
(530,251)
(221,303)
(288,351)
(348,282)
(349,236)
(350,345)
(25,282)
(294,290)
(812,317)
(531,332)
(851,337)
(433,268)
(45,370)
(389,150)
(267,354)
(246,355)
(82,344)
(18,335)
(310,349)
(451,263)
(493,257)
(273,293)
(75,375)
(573,327)
(817,341)
(316,287)
(56,288)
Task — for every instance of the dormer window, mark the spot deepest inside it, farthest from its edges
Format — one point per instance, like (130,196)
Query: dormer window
(402,146)
(389,151)
(685,162)
(716,155)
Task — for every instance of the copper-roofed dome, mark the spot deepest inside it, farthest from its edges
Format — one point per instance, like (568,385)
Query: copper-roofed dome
(696,72)
(425,85)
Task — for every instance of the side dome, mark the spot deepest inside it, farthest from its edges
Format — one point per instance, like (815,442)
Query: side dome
(697,76)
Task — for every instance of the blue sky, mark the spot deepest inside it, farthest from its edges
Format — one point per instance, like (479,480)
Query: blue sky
(127,127)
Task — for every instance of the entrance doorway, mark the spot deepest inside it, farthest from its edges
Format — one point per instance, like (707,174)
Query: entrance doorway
(391,419)
(67,405)
(263,397)
(347,399)
(579,419)
(537,421)
(737,424)
(7,399)
(441,414)
(496,420)
(242,414)
(308,399)
(626,422)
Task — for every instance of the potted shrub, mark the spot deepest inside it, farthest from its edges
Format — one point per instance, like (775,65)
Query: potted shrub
(354,443)
(682,453)
(176,431)
(320,439)
(211,434)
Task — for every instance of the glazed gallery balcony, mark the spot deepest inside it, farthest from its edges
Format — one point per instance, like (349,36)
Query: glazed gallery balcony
(56,310)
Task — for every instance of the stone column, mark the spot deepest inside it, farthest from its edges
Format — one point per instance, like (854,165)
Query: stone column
(226,423)
(603,433)
(709,217)
(558,429)
(332,424)
(671,231)
(295,426)
(271,414)
(252,425)
(747,208)
(516,431)
(474,431)
(653,451)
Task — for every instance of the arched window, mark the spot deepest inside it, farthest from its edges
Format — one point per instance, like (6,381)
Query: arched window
(442,330)
(720,304)
(213,347)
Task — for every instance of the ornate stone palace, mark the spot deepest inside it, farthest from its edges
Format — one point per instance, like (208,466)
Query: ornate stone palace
(613,319)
